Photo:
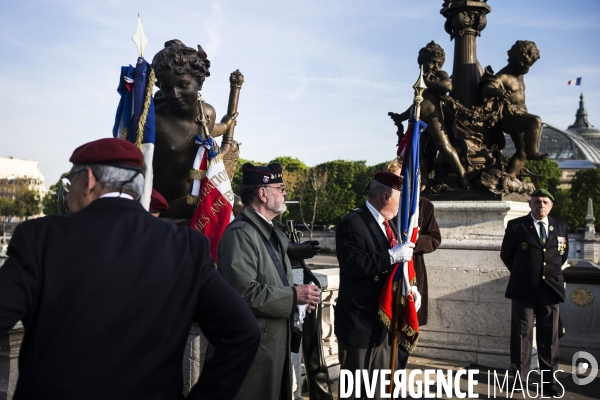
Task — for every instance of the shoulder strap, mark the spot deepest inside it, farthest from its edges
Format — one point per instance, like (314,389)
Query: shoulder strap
(270,250)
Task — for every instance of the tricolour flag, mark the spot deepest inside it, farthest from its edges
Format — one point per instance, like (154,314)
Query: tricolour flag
(408,230)
(135,121)
(211,193)
(574,82)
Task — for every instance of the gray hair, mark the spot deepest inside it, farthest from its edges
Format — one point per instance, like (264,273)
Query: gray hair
(376,189)
(117,179)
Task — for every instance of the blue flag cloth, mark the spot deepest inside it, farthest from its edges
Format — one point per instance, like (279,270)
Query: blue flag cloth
(135,120)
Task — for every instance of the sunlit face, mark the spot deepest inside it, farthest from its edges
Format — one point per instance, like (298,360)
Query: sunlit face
(433,64)
(179,91)
(390,208)
(540,207)
(276,198)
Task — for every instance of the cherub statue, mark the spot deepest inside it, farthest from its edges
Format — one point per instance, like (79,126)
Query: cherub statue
(432,58)
(507,89)
(180,72)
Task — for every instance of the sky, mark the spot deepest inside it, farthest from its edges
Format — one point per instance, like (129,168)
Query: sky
(320,76)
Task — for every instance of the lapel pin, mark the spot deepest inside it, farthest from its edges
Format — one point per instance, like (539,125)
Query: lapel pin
(551,227)
(531,226)
(524,246)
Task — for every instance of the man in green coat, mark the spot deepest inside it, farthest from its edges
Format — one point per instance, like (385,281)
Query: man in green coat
(253,259)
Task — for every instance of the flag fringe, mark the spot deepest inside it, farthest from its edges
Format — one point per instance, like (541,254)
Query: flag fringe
(197,174)
(144,116)
(125,132)
(192,200)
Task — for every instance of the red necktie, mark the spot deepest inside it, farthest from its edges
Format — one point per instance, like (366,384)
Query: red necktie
(390,234)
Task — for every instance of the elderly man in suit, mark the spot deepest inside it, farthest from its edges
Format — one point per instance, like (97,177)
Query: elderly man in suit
(534,249)
(107,294)
(365,253)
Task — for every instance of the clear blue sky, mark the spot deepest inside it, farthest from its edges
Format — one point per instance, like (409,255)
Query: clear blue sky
(320,76)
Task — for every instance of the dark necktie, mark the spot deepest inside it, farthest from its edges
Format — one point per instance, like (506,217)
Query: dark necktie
(390,234)
(542,232)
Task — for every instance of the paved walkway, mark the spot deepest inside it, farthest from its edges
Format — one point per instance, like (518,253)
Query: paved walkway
(572,391)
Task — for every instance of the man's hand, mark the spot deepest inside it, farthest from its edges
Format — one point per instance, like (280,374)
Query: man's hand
(304,250)
(402,252)
(308,294)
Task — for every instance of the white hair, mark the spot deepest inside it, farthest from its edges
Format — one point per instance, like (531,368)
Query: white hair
(117,179)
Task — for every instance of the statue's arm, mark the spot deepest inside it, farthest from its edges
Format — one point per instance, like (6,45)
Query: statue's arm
(226,122)
(439,83)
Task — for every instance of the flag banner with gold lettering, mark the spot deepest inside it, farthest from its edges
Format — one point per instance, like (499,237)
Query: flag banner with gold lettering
(402,278)
(211,193)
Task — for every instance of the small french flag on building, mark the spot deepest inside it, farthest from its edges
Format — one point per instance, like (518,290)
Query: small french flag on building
(574,82)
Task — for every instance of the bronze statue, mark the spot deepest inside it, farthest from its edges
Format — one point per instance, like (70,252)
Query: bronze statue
(507,88)
(180,72)
(432,58)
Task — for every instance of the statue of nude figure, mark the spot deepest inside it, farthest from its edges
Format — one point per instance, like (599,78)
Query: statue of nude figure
(508,87)
(180,72)
(432,58)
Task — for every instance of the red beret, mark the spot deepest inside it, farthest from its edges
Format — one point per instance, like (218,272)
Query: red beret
(109,151)
(388,179)
(158,202)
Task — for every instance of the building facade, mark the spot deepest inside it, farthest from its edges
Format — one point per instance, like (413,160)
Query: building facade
(17,174)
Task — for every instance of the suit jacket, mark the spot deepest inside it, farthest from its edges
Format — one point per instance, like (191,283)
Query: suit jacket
(535,269)
(245,263)
(362,252)
(107,296)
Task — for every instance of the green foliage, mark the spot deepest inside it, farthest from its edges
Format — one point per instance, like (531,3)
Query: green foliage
(26,204)
(550,174)
(562,206)
(585,185)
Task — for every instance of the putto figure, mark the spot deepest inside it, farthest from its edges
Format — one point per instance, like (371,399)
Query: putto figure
(507,88)
(432,57)
(180,72)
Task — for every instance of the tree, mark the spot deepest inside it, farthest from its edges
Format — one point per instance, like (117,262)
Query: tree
(237,176)
(585,185)
(550,174)
(27,203)
(318,181)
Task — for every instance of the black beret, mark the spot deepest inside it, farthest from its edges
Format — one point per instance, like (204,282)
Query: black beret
(259,175)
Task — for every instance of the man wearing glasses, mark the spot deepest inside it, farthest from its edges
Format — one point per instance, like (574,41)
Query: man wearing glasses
(253,259)
(107,294)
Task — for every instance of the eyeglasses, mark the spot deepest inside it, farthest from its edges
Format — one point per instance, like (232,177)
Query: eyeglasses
(281,188)
(65,182)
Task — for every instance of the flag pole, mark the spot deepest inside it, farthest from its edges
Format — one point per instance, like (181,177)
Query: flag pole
(419,87)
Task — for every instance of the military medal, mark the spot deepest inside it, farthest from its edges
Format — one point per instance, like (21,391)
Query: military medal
(562,244)
(524,246)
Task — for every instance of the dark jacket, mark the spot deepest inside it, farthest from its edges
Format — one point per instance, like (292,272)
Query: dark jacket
(107,296)
(362,252)
(535,269)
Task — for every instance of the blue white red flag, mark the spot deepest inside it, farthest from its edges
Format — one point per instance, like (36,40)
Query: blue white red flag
(574,82)
(135,121)
(402,278)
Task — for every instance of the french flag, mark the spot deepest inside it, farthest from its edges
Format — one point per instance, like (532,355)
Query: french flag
(574,82)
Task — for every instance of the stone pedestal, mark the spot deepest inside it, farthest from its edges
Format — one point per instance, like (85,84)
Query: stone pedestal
(580,313)
(10,344)
(469,317)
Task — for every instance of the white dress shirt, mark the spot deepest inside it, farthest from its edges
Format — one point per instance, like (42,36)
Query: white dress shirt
(117,194)
(537,225)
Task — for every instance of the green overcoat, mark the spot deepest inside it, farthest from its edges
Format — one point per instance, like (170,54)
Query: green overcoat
(245,263)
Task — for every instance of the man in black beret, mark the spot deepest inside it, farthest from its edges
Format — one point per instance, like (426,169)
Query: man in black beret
(107,294)
(367,249)
(534,249)
(253,259)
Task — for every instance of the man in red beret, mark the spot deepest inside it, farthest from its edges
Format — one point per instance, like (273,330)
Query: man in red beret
(107,294)
(367,248)
(157,203)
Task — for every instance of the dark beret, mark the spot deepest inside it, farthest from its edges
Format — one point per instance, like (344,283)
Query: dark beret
(259,175)
(542,193)
(157,202)
(388,179)
(109,151)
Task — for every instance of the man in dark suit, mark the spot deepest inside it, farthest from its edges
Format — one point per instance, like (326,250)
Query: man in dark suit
(366,257)
(534,249)
(107,294)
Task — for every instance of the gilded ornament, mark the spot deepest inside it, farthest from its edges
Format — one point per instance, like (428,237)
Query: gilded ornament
(582,297)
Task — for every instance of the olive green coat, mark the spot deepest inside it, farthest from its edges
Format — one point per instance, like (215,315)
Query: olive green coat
(245,263)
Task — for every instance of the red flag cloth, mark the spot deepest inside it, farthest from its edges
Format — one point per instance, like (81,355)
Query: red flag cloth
(214,200)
